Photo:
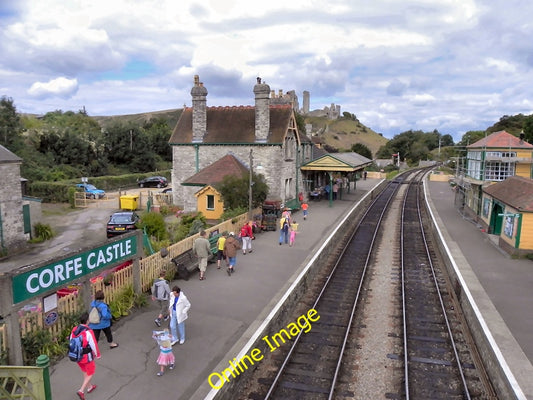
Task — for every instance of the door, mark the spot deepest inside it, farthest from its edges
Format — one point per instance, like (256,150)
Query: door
(496,219)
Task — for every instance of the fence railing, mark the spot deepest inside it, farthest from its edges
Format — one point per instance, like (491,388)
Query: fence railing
(3,342)
(150,267)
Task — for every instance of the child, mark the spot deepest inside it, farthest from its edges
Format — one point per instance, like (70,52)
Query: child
(166,357)
(305,206)
(294,229)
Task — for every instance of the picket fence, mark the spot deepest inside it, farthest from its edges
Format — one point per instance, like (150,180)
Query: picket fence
(150,267)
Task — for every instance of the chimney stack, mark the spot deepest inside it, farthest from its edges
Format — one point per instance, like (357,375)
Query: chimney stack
(262,111)
(199,110)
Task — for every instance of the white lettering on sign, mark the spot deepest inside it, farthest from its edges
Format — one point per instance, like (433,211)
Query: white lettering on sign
(59,273)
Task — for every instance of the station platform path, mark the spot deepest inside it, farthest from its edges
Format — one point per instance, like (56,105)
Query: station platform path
(224,308)
(501,286)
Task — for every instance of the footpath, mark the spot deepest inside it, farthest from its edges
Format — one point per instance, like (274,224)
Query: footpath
(223,307)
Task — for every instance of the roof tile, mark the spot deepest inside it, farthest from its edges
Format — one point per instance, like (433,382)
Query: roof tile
(501,139)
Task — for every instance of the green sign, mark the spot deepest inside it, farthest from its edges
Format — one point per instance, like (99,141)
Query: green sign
(33,283)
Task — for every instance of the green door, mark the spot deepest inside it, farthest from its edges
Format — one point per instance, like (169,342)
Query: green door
(26,217)
(495,220)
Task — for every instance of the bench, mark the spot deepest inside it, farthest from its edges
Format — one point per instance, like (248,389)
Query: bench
(293,204)
(213,240)
(187,263)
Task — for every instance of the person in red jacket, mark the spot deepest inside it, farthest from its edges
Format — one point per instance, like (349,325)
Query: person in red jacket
(86,364)
(247,234)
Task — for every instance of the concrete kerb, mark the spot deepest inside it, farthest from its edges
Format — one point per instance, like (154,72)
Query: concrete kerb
(509,383)
(274,316)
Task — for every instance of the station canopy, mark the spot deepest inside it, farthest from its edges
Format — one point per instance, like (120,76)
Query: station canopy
(337,162)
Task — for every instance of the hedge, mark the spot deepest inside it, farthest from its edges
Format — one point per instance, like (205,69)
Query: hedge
(57,192)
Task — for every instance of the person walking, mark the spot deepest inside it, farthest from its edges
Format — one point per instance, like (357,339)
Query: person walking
(166,356)
(161,293)
(91,351)
(230,250)
(284,226)
(305,208)
(247,235)
(179,307)
(104,321)
(294,230)
(220,249)
(202,249)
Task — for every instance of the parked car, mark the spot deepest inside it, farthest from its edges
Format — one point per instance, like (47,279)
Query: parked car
(153,181)
(122,222)
(91,192)
(167,190)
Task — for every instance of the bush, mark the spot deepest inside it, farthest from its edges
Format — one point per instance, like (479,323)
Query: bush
(229,214)
(43,232)
(154,224)
(41,341)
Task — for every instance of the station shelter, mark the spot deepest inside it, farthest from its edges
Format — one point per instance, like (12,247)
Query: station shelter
(323,172)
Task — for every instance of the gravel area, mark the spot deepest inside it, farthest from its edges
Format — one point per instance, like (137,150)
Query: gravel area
(368,372)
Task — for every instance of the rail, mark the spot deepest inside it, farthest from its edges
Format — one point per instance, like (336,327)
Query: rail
(429,350)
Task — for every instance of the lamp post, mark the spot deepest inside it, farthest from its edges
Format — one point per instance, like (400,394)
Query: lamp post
(250,185)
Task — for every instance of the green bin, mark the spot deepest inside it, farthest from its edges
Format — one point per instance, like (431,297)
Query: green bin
(129,202)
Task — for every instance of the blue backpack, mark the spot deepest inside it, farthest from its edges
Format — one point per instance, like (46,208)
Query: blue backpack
(75,346)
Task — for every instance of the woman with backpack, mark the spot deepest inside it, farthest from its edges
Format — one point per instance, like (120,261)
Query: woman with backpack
(100,319)
(90,351)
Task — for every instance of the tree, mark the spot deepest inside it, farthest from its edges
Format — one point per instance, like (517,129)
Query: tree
(412,146)
(512,124)
(158,133)
(446,140)
(528,129)
(128,146)
(234,190)
(10,125)
(363,150)
(300,123)
(471,137)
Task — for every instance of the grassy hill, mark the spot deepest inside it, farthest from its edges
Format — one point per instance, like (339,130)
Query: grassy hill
(171,116)
(341,133)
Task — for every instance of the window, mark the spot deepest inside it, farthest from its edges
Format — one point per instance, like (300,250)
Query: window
(210,202)
(290,145)
(508,227)
(498,171)
(474,164)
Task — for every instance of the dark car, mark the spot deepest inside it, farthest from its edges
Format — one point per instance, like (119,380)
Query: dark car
(122,222)
(153,181)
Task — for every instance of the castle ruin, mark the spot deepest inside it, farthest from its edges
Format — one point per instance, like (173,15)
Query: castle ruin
(290,97)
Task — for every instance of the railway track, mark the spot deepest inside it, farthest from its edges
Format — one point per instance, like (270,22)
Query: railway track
(325,362)
(432,366)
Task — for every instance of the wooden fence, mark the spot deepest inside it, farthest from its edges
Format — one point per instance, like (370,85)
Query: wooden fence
(150,268)
(3,341)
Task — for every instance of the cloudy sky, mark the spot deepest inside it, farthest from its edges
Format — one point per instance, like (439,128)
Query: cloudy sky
(451,65)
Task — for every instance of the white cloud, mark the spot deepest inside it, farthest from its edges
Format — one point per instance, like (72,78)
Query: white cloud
(396,65)
(60,87)
(500,65)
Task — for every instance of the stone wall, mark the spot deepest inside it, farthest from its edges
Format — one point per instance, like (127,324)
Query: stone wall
(13,236)
(279,174)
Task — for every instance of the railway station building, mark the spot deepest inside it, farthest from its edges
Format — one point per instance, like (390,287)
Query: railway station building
(265,135)
(490,160)
(507,213)
(495,189)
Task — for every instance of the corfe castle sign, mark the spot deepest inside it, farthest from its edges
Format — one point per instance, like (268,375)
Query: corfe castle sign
(59,273)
